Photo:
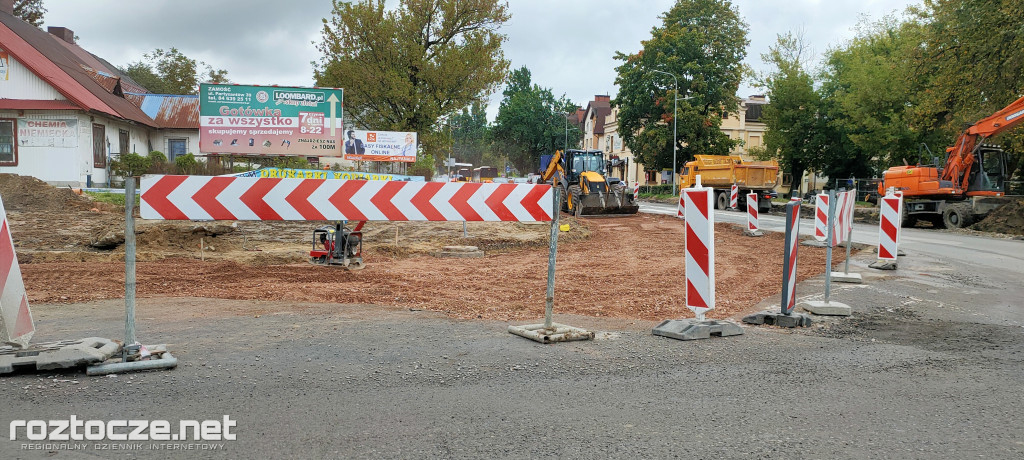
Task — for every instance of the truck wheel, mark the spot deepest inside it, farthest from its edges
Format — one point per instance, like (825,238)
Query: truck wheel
(722,201)
(565,198)
(957,216)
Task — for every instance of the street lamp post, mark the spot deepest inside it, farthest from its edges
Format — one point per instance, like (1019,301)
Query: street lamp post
(566,115)
(675,113)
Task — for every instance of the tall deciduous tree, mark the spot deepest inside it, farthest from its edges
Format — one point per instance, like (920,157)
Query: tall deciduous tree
(31,11)
(871,85)
(531,123)
(470,134)
(702,43)
(171,72)
(407,68)
(971,54)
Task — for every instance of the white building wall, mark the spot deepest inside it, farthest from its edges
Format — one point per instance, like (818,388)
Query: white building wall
(21,83)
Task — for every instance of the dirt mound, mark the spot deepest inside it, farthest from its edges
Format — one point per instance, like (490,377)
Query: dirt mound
(25,193)
(1007,219)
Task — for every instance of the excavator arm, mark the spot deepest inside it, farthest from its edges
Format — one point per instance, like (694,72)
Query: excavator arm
(960,157)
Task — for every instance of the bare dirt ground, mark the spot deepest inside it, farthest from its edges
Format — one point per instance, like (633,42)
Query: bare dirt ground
(624,267)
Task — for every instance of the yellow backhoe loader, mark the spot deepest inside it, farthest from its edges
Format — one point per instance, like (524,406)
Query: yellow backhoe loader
(585,191)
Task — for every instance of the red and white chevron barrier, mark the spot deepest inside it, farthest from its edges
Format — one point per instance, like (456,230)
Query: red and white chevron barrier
(16,326)
(734,197)
(889,227)
(636,190)
(248,198)
(789,256)
(752,224)
(699,241)
(839,219)
(821,217)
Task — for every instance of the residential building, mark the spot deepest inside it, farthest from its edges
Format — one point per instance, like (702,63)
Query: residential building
(745,125)
(66,113)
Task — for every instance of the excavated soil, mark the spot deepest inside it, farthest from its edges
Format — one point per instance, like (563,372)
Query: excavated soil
(72,250)
(1007,219)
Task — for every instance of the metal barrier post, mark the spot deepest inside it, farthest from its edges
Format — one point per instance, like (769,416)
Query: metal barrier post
(549,299)
(129,262)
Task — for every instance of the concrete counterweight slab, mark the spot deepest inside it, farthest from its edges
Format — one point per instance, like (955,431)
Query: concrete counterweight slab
(826,308)
(57,355)
(774,318)
(693,329)
(852,278)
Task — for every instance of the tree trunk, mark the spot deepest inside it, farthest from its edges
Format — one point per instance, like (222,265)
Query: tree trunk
(797,173)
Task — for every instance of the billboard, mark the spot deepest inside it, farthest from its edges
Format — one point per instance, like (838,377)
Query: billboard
(380,146)
(270,120)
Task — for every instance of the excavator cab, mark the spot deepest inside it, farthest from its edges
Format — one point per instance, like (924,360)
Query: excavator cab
(988,173)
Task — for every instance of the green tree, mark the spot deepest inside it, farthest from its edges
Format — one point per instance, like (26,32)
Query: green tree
(531,122)
(971,55)
(171,72)
(702,43)
(31,11)
(406,69)
(871,85)
(470,134)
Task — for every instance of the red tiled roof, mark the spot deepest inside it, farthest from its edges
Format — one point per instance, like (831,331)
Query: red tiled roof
(169,111)
(62,69)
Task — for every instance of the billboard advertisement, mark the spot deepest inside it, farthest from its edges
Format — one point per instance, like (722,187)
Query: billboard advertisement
(380,146)
(270,120)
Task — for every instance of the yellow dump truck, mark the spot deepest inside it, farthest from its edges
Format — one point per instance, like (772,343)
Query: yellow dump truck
(720,172)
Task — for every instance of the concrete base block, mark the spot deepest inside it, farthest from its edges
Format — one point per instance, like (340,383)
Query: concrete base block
(775,318)
(692,329)
(813,243)
(557,333)
(470,252)
(825,308)
(899,252)
(57,355)
(753,232)
(853,278)
(883,265)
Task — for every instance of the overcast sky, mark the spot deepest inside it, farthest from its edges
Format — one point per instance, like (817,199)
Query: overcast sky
(568,45)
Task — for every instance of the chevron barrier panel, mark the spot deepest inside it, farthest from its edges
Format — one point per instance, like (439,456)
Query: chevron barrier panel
(16,326)
(249,198)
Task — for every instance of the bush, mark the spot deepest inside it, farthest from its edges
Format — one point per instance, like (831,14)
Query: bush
(130,165)
(157,162)
(424,166)
(186,164)
(656,190)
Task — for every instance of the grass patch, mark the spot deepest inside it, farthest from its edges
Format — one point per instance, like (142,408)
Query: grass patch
(116,199)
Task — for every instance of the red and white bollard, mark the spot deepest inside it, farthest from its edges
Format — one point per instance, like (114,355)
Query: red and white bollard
(699,241)
(789,256)
(734,197)
(889,232)
(821,217)
(636,190)
(753,229)
(700,249)
(16,326)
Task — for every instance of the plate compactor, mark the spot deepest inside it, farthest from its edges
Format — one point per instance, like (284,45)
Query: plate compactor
(337,245)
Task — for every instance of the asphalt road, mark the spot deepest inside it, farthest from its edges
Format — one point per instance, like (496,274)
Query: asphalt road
(929,366)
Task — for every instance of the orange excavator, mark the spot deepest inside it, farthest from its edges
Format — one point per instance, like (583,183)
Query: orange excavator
(968,186)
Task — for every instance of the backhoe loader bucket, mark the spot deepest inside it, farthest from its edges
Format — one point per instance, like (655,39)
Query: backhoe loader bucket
(603,204)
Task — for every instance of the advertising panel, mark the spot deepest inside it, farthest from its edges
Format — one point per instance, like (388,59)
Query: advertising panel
(289,173)
(48,133)
(380,146)
(270,120)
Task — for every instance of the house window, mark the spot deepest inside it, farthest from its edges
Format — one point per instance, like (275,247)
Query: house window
(99,153)
(725,115)
(122,137)
(8,143)
(176,147)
